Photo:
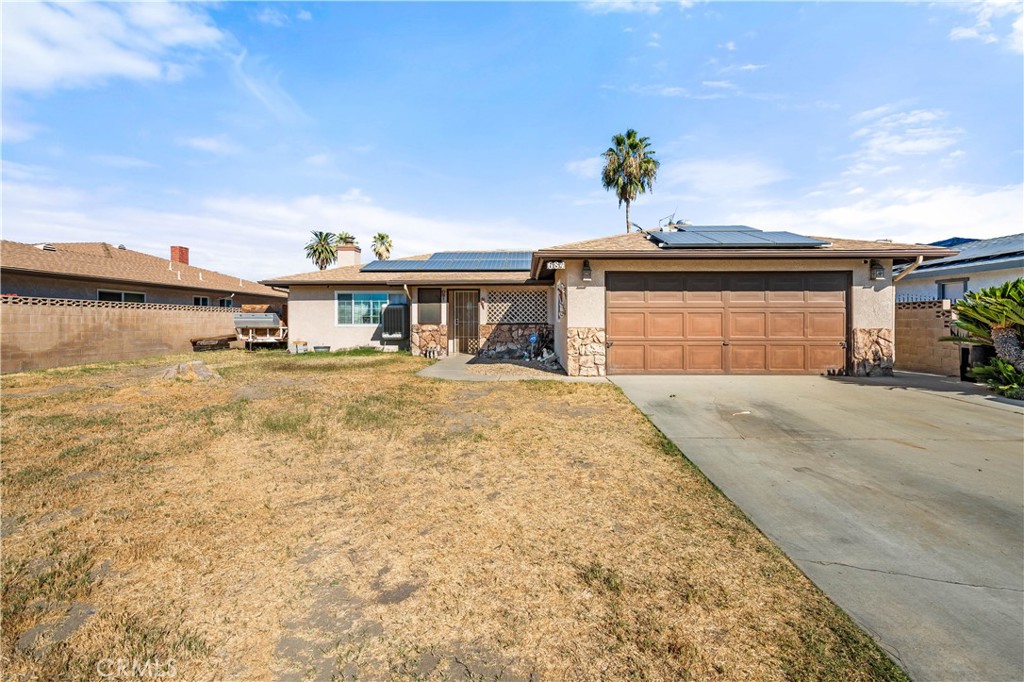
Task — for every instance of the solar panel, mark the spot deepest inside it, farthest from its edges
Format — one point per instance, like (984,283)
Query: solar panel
(719,228)
(726,237)
(458,261)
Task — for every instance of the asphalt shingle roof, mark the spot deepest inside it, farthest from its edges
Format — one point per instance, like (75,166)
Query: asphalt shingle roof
(98,260)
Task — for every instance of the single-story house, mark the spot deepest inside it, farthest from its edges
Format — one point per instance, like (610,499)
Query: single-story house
(980,263)
(102,272)
(687,299)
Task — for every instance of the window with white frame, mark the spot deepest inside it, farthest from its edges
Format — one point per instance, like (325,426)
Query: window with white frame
(226,303)
(201,300)
(120,296)
(953,289)
(363,307)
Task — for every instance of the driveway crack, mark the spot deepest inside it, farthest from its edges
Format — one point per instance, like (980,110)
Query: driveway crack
(910,575)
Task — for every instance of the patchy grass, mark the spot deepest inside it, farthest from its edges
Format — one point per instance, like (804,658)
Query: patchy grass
(334,514)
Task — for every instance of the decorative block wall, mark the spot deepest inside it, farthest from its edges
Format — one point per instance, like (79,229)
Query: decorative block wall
(39,333)
(919,326)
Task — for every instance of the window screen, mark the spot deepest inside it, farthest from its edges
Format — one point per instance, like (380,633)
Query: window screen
(430,306)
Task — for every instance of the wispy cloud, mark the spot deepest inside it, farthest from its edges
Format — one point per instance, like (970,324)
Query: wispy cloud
(119,161)
(219,145)
(628,6)
(655,40)
(303,15)
(17,131)
(725,85)
(995,21)
(916,132)
(730,46)
(49,46)
(715,177)
(255,77)
(588,168)
(271,16)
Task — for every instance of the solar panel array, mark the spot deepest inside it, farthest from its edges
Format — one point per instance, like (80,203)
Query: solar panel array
(731,237)
(458,261)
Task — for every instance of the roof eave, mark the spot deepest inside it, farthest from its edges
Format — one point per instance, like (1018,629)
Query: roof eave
(697,253)
(190,286)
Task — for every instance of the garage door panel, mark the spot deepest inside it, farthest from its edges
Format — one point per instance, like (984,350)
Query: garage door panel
(705,324)
(748,288)
(821,358)
(708,359)
(826,325)
(626,325)
(787,358)
(665,358)
(665,325)
(748,358)
(703,288)
(719,322)
(626,358)
(747,324)
(786,324)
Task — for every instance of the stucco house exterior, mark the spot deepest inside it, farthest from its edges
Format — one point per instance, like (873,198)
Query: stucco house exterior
(689,299)
(980,263)
(98,271)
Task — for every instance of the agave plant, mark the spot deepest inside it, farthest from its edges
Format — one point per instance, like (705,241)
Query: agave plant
(994,317)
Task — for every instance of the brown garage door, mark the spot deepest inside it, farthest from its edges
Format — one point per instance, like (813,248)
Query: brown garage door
(726,323)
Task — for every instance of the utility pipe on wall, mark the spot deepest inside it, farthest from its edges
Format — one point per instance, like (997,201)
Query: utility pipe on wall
(909,269)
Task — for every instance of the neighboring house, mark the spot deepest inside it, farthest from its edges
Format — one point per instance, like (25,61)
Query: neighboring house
(980,263)
(692,299)
(102,272)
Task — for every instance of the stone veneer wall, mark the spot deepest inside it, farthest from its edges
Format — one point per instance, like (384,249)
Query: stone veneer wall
(39,333)
(585,352)
(423,337)
(919,326)
(873,352)
(511,340)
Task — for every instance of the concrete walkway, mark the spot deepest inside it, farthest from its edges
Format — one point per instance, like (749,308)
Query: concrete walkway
(902,498)
(455,368)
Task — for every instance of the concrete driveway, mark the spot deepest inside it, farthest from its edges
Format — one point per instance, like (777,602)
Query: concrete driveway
(903,499)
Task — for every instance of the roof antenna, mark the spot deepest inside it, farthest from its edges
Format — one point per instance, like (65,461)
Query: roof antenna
(667,221)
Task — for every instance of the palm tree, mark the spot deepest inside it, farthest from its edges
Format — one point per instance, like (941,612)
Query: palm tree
(630,168)
(346,238)
(322,249)
(994,317)
(382,246)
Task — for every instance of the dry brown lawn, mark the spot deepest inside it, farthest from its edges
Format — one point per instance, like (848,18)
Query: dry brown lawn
(338,517)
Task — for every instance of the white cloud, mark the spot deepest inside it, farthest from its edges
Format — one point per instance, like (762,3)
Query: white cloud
(727,85)
(588,169)
(271,17)
(990,24)
(303,15)
(252,75)
(730,46)
(118,161)
(220,145)
(628,6)
(318,160)
(904,214)
(720,177)
(249,236)
(889,133)
(48,46)
(17,131)
(655,40)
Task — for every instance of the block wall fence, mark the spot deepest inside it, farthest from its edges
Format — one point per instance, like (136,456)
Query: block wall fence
(919,326)
(40,333)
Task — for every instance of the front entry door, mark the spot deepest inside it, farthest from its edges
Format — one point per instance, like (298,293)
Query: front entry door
(464,314)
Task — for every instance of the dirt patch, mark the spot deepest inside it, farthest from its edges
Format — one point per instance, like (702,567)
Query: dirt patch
(513,368)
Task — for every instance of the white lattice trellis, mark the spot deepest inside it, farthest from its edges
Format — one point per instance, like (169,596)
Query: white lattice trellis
(511,306)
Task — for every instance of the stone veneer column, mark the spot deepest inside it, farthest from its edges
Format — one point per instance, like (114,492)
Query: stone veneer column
(873,352)
(425,336)
(585,352)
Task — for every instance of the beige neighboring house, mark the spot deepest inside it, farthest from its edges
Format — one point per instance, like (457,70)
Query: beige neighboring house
(686,299)
(103,272)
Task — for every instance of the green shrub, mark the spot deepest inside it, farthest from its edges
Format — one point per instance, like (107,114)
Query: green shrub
(1001,377)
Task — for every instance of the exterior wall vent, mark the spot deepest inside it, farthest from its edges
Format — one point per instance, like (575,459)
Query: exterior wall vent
(45,247)
(121,247)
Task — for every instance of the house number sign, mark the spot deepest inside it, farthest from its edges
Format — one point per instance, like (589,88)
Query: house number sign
(556,265)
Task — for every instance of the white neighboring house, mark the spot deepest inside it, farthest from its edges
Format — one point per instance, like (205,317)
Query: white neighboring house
(981,263)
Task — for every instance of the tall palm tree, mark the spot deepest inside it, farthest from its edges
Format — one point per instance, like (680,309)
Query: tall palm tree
(346,238)
(322,249)
(382,246)
(630,168)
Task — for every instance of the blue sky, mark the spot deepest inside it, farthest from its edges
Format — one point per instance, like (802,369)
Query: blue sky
(237,128)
